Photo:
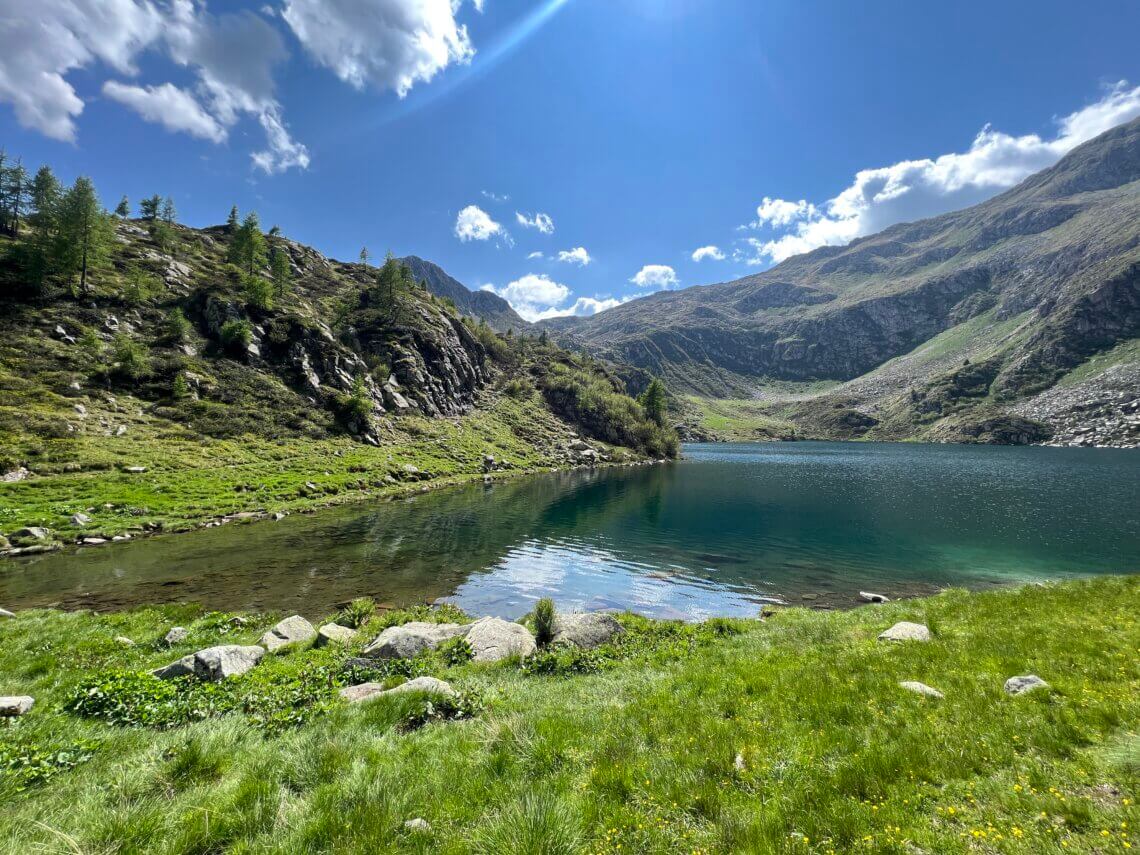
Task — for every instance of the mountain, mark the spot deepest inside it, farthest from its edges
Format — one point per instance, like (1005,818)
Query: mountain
(870,338)
(483,305)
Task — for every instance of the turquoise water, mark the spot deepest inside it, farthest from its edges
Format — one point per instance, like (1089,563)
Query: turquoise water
(719,533)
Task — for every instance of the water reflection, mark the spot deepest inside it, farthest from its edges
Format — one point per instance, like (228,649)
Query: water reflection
(718,533)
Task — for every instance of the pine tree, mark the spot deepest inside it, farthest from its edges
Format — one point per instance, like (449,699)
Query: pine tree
(275,231)
(123,209)
(364,256)
(654,401)
(85,233)
(39,251)
(3,191)
(149,207)
(232,220)
(46,195)
(168,214)
(248,249)
(279,269)
(14,181)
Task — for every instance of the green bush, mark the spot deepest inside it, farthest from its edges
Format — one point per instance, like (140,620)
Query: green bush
(357,613)
(520,389)
(130,358)
(544,621)
(456,651)
(235,335)
(434,708)
(176,326)
(258,292)
(563,661)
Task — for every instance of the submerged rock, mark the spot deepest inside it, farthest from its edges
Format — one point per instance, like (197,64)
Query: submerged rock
(292,630)
(410,639)
(921,689)
(493,638)
(906,631)
(368,691)
(213,663)
(1025,683)
(334,633)
(15,705)
(585,629)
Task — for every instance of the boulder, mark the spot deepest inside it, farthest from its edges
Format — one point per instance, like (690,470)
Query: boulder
(213,663)
(368,691)
(418,825)
(16,705)
(134,470)
(1025,683)
(4,543)
(921,689)
(30,535)
(585,629)
(177,635)
(493,638)
(410,639)
(906,631)
(80,519)
(869,597)
(4,613)
(292,630)
(123,641)
(334,633)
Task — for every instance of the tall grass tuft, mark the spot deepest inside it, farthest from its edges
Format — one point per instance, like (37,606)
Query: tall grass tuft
(544,621)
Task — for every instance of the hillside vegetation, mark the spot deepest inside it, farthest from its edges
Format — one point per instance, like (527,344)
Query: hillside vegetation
(179,374)
(805,742)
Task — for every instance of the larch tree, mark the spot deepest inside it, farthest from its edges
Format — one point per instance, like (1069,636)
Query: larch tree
(279,270)
(149,207)
(123,209)
(168,214)
(654,401)
(248,248)
(85,233)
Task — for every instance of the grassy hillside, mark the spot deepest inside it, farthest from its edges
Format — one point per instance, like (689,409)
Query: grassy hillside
(787,735)
(235,393)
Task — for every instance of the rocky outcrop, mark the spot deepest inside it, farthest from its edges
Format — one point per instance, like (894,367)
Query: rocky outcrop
(906,631)
(1025,683)
(16,705)
(334,633)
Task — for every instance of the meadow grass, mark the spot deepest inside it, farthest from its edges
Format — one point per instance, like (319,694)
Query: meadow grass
(784,735)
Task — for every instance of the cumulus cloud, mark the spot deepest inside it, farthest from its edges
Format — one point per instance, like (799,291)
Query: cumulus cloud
(577,255)
(232,57)
(713,252)
(173,108)
(539,221)
(536,254)
(473,223)
(915,189)
(537,297)
(657,276)
(385,44)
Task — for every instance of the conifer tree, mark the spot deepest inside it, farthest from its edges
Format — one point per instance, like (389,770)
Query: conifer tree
(364,256)
(168,213)
(654,402)
(248,249)
(84,241)
(149,207)
(14,187)
(232,222)
(123,209)
(279,269)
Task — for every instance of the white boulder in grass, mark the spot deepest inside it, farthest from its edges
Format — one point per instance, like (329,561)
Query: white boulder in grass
(921,689)
(1025,683)
(16,705)
(906,631)
(214,663)
(334,633)
(368,691)
(492,639)
(409,639)
(292,630)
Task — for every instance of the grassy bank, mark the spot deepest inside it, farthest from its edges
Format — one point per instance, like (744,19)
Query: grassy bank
(190,480)
(790,734)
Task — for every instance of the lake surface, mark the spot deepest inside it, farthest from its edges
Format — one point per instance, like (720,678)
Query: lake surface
(718,533)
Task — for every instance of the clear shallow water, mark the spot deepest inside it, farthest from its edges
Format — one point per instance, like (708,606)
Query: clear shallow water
(718,533)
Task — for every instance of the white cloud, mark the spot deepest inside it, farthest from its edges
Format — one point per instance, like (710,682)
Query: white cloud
(713,252)
(915,189)
(232,56)
(386,44)
(536,254)
(539,221)
(577,255)
(173,108)
(658,276)
(537,297)
(473,223)
(495,197)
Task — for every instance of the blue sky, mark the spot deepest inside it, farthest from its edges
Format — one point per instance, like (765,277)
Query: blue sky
(641,131)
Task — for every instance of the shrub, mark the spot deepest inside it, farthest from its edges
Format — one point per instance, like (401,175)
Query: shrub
(544,621)
(180,390)
(520,389)
(176,326)
(258,292)
(130,358)
(235,335)
(563,661)
(357,613)
(456,651)
(25,766)
(141,286)
(435,708)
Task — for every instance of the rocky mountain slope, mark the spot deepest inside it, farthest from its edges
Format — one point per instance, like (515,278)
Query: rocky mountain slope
(483,305)
(1032,283)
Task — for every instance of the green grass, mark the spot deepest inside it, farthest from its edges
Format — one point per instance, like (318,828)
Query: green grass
(190,480)
(738,419)
(638,756)
(1123,353)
